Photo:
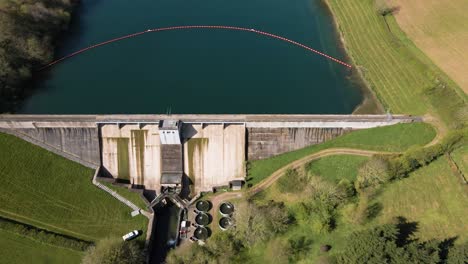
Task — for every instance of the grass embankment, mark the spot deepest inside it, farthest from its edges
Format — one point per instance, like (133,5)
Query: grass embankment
(402,77)
(439,29)
(133,197)
(460,157)
(44,190)
(19,249)
(431,196)
(336,168)
(390,138)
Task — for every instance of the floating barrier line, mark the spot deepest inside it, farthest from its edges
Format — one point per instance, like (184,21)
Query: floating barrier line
(195,27)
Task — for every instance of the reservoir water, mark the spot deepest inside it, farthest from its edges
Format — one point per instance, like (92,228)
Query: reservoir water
(198,71)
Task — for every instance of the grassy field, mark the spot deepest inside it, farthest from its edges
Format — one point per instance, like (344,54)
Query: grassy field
(439,29)
(335,168)
(460,156)
(42,189)
(17,249)
(391,138)
(433,197)
(133,197)
(394,68)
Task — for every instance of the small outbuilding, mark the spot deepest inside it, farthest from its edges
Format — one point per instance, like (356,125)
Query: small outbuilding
(236,185)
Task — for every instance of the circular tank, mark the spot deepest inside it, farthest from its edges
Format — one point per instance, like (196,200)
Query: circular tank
(201,233)
(202,219)
(203,206)
(225,223)
(226,209)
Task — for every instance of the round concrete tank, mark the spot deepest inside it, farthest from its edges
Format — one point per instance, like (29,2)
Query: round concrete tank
(225,223)
(226,209)
(202,219)
(201,233)
(203,206)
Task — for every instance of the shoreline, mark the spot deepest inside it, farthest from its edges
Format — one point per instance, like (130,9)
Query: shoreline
(370,102)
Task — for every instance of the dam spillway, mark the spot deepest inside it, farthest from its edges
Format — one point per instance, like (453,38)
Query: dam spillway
(213,148)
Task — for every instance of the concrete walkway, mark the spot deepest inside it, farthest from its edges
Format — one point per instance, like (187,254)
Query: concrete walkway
(116,195)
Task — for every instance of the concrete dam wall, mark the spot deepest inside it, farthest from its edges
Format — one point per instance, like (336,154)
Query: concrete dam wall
(268,142)
(76,141)
(213,148)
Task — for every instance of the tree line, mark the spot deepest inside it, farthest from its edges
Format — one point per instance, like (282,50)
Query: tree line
(28,30)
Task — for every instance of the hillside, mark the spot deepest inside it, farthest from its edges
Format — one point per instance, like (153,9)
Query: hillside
(28,30)
(43,191)
(439,29)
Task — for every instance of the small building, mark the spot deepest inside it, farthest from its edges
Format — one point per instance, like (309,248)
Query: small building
(236,185)
(169,132)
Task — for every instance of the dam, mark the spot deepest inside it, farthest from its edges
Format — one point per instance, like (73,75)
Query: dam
(164,152)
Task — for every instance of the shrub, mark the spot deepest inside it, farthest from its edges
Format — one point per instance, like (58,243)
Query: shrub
(292,182)
(347,188)
(373,173)
(383,8)
(43,236)
(259,223)
(115,251)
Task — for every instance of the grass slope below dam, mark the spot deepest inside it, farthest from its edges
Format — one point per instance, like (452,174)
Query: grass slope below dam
(49,192)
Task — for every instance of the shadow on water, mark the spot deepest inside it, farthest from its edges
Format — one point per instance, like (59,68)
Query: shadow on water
(165,228)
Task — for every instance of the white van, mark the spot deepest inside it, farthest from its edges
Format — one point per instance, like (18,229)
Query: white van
(131,235)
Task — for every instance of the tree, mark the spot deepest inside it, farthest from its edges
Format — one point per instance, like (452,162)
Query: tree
(259,223)
(114,251)
(373,173)
(383,8)
(380,245)
(458,254)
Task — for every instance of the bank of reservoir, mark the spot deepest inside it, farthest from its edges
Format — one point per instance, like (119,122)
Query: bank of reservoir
(198,71)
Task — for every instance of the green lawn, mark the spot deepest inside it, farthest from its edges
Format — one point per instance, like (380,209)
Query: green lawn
(432,196)
(42,189)
(16,249)
(393,67)
(133,197)
(335,168)
(390,138)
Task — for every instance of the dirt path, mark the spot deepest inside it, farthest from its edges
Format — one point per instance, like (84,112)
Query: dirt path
(267,182)
(441,129)
(298,163)
(218,199)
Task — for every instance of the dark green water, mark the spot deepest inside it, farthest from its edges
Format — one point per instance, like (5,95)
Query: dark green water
(198,71)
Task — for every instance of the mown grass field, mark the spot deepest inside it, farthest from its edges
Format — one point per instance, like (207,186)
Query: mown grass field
(390,138)
(394,68)
(44,190)
(439,29)
(335,168)
(17,249)
(433,197)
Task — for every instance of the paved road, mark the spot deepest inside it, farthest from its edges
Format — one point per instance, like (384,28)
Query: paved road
(206,118)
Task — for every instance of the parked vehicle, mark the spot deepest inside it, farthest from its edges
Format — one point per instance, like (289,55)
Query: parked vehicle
(131,235)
